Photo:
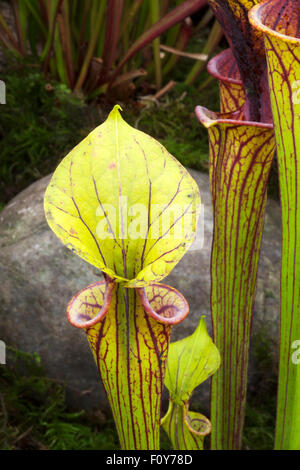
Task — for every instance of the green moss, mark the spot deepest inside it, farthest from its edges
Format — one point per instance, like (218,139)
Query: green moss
(39,124)
(173,122)
(34,414)
(261,400)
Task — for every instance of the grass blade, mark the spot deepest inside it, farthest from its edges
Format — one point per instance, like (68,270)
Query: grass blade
(155,14)
(212,42)
(91,48)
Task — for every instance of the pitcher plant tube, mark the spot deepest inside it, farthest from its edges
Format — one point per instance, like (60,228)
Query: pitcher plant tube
(120,201)
(279,23)
(191,361)
(242,145)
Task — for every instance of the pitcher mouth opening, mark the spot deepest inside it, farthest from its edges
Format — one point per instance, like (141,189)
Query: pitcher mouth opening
(216,67)
(167,305)
(258,17)
(83,314)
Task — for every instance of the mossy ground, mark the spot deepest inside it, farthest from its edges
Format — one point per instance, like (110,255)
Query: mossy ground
(40,122)
(34,413)
(261,401)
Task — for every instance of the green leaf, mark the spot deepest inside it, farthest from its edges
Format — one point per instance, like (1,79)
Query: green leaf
(121,202)
(191,361)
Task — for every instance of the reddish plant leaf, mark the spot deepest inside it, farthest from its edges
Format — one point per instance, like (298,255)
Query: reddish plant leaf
(114,14)
(247,47)
(176,15)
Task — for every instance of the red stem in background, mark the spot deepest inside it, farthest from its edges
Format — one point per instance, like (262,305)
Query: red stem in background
(114,14)
(170,19)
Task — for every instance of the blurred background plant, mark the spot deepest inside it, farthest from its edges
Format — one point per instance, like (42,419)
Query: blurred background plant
(99,46)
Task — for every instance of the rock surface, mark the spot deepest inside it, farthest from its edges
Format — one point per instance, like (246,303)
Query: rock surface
(38,277)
